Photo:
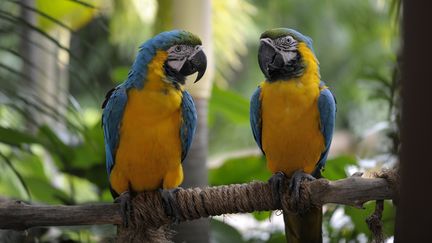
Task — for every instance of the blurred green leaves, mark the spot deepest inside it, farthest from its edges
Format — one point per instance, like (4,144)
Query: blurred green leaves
(119,74)
(233,26)
(239,170)
(14,137)
(36,183)
(131,23)
(230,105)
(83,160)
(72,13)
(335,168)
(222,232)
(358,217)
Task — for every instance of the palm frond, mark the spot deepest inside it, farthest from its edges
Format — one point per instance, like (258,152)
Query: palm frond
(9,163)
(85,4)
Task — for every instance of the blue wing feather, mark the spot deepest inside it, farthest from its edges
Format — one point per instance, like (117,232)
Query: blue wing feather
(255,116)
(327,110)
(188,123)
(112,115)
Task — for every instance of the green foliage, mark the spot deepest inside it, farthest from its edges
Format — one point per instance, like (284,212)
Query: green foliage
(239,170)
(335,168)
(130,25)
(233,26)
(224,233)
(14,137)
(73,14)
(277,237)
(358,217)
(119,74)
(230,105)
(260,216)
(38,185)
(83,160)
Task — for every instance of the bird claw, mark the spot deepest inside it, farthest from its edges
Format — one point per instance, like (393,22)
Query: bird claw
(277,183)
(170,204)
(125,201)
(294,189)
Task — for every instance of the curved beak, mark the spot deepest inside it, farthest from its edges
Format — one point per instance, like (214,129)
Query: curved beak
(196,62)
(269,58)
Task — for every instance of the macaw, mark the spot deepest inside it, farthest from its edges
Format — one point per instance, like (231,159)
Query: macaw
(292,115)
(149,120)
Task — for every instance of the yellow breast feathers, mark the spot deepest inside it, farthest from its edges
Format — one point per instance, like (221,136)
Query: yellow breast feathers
(291,137)
(149,152)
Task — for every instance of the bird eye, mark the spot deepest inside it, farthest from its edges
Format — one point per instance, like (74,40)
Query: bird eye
(177,49)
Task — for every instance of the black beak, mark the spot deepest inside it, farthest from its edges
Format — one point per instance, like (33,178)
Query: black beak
(269,58)
(197,62)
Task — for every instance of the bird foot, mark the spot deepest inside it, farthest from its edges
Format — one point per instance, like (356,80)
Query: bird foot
(277,183)
(125,201)
(297,203)
(170,204)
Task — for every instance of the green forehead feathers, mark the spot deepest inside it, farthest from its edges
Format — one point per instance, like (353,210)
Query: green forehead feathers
(280,32)
(186,38)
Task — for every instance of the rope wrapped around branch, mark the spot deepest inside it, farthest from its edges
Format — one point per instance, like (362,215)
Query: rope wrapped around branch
(194,203)
(149,218)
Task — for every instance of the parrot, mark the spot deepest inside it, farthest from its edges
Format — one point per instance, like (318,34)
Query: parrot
(149,120)
(292,116)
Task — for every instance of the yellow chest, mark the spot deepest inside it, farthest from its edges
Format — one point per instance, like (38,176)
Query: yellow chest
(149,146)
(291,137)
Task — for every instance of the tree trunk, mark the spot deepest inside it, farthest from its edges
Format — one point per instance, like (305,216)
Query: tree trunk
(49,77)
(195,174)
(195,16)
(414,214)
(28,53)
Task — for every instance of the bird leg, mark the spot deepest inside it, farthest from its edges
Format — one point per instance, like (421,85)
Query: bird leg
(125,200)
(170,204)
(277,184)
(294,190)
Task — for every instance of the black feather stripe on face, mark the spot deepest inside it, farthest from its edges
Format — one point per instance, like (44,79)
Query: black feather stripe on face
(174,76)
(293,69)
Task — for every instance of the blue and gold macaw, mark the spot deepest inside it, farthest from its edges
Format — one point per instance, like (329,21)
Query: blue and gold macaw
(149,120)
(292,116)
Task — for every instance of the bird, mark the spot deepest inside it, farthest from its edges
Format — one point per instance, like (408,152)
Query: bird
(149,120)
(292,116)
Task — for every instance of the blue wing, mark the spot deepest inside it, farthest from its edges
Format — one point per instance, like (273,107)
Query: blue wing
(112,115)
(255,116)
(188,123)
(327,110)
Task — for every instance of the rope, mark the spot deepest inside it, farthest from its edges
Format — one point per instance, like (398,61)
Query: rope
(374,221)
(193,203)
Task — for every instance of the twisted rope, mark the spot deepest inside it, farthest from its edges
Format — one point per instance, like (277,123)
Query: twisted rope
(193,203)
(149,217)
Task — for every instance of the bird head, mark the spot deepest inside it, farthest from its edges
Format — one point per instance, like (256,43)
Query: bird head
(182,56)
(283,52)
(185,56)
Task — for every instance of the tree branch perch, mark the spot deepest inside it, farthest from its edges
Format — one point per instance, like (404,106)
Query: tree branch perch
(193,204)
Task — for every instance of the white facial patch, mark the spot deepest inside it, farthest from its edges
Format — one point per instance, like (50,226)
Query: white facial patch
(177,56)
(176,64)
(288,56)
(287,46)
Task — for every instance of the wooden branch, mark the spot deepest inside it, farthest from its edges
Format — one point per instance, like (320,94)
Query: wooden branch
(353,191)
(19,215)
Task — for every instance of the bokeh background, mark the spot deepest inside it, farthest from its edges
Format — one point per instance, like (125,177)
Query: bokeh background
(59,58)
